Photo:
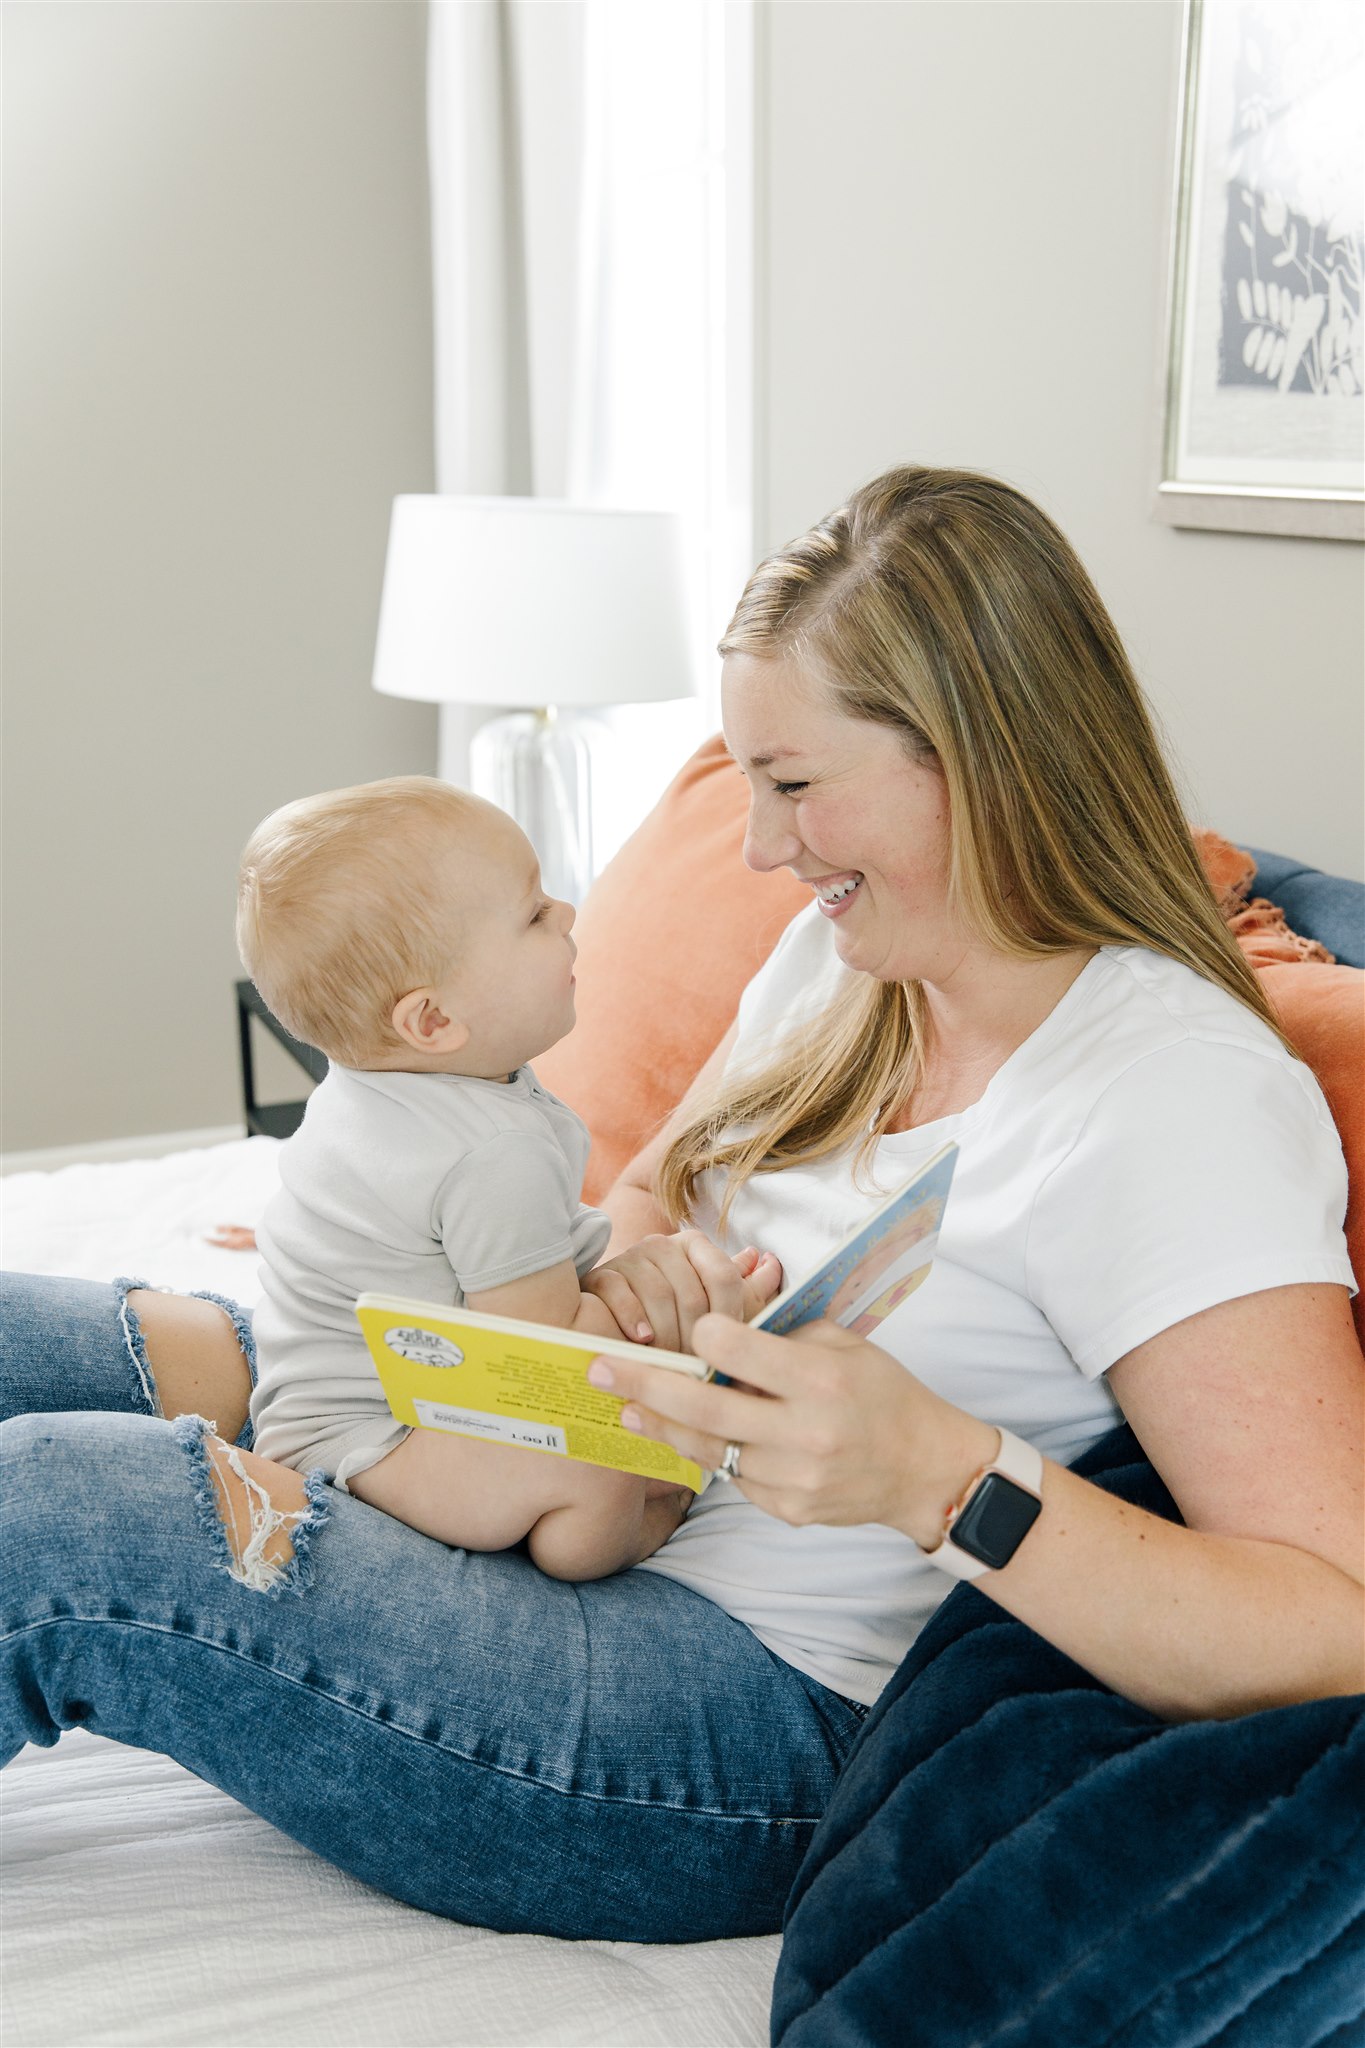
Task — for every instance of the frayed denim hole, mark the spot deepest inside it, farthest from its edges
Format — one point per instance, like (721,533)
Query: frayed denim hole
(252,1569)
(133,1338)
(189,1432)
(308,1521)
(240,1320)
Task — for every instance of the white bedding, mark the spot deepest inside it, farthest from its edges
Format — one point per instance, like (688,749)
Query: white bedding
(143,1907)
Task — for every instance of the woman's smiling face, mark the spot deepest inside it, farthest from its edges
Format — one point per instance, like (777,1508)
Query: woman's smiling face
(845,806)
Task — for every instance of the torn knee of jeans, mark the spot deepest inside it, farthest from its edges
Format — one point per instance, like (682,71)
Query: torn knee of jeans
(240,1321)
(258,1516)
(134,1339)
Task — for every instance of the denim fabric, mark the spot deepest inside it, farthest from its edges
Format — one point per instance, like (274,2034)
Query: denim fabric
(77,1345)
(1323,907)
(618,1759)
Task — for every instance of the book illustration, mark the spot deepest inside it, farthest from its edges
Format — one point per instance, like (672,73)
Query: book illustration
(880,1266)
(422,1347)
(506,1381)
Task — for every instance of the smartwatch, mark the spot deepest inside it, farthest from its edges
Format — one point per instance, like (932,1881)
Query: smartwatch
(1000,1506)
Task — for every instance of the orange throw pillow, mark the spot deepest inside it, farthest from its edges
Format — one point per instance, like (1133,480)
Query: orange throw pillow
(672,930)
(1321,1008)
(1322,1012)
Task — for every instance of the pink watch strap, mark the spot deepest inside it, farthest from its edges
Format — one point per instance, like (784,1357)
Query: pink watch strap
(1016,1460)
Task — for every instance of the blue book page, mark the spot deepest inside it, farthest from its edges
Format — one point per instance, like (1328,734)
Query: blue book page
(874,1271)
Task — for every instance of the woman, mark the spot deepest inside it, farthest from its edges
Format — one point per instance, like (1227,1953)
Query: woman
(1012,945)
(942,735)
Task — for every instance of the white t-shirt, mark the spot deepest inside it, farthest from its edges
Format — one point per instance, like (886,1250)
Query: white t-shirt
(1150,1151)
(434,1186)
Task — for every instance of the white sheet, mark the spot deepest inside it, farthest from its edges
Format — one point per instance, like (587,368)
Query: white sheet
(143,1907)
(146,1217)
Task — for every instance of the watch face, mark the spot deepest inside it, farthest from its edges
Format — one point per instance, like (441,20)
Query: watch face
(995,1520)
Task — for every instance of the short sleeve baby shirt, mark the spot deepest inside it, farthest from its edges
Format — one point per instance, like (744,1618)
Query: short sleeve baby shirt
(434,1186)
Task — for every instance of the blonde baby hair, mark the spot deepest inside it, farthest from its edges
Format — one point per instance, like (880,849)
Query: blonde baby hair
(945,605)
(342,909)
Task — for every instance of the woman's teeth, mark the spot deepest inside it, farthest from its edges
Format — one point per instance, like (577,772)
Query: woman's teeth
(837,895)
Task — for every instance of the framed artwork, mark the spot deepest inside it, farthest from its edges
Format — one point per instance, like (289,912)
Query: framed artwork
(1265,385)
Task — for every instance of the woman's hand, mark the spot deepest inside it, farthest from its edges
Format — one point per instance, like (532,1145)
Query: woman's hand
(659,1287)
(831,1428)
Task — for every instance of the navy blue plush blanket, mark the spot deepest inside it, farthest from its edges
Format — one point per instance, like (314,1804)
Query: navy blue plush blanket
(1017,1856)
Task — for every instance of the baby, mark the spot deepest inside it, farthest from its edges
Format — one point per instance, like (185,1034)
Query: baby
(401,926)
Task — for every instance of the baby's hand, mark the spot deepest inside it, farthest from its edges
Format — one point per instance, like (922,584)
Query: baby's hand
(232,1237)
(657,1290)
(761,1274)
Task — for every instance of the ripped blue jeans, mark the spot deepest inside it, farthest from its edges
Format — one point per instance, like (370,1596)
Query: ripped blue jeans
(108,1384)
(619,1759)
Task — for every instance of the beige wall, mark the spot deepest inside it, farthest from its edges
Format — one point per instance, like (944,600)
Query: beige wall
(217,367)
(217,374)
(962,241)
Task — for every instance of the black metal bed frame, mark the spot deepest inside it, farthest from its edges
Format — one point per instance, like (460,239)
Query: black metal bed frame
(270,1119)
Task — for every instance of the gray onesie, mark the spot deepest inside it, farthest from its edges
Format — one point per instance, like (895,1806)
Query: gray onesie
(433,1186)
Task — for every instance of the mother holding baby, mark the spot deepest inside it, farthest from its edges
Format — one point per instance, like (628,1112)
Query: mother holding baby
(1010,944)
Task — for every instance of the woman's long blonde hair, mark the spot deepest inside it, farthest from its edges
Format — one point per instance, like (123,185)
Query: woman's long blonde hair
(945,605)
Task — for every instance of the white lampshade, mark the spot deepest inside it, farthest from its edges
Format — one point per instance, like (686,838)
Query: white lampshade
(532,601)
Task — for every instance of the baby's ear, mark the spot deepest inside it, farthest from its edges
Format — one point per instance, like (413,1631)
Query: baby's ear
(423,1025)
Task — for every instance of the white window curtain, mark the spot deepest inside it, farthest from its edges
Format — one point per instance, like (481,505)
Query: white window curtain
(591,191)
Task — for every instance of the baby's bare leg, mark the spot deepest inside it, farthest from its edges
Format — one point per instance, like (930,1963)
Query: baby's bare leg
(606,1529)
(482,1496)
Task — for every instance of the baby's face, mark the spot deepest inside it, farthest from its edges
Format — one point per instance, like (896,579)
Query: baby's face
(514,982)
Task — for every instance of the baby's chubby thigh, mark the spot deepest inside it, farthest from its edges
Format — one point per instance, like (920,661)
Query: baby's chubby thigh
(476,1495)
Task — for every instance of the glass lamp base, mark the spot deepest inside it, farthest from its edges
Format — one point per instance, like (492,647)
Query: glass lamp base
(537,767)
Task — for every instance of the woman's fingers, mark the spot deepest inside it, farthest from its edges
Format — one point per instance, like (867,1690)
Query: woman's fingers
(706,1450)
(761,1360)
(718,1275)
(738,1286)
(826,1422)
(665,1294)
(670,1287)
(694,1416)
(617,1295)
(659,1288)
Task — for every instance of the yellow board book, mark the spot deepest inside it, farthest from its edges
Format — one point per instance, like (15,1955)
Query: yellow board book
(513,1382)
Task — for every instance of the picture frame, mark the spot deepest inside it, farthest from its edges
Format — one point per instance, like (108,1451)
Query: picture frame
(1264,413)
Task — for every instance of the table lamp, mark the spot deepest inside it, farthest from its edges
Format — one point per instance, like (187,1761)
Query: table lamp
(537,604)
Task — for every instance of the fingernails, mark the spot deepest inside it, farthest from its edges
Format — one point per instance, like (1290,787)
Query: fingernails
(643,1333)
(600,1374)
(630,1418)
